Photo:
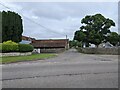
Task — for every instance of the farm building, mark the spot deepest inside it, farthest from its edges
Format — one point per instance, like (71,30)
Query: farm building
(51,45)
(26,40)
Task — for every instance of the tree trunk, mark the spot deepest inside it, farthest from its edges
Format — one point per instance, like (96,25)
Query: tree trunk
(96,46)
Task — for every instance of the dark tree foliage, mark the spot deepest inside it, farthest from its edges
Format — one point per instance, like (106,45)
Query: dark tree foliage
(12,27)
(113,38)
(80,36)
(94,29)
(75,44)
(118,39)
(72,44)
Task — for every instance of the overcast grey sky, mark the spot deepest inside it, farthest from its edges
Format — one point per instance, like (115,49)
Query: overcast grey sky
(59,18)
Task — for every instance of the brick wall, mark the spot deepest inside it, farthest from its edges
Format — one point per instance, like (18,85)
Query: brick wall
(59,50)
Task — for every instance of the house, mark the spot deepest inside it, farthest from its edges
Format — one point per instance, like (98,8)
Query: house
(27,40)
(105,45)
(50,45)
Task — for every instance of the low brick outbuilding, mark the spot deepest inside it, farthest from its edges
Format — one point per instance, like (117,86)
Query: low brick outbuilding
(51,45)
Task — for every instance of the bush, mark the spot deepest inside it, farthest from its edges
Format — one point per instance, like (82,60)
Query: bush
(79,44)
(9,46)
(25,48)
(0,47)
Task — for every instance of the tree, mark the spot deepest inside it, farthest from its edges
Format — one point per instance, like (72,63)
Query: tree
(12,27)
(72,43)
(95,38)
(113,38)
(80,36)
(96,28)
(119,40)
(75,44)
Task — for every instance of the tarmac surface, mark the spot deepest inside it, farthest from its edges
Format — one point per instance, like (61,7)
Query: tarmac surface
(68,70)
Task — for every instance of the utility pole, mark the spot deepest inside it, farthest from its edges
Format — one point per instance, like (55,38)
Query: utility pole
(66,36)
(67,47)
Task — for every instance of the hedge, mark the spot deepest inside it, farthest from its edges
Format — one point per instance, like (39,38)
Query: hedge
(25,48)
(0,47)
(10,46)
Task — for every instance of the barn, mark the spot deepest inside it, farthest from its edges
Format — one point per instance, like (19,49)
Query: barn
(51,45)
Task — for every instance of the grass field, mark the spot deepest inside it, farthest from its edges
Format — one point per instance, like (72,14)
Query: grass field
(13,59)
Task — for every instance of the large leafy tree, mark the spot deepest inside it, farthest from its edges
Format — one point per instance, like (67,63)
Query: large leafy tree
(95,38)
(80,36)
(75,43)
(12,27)
(119,40)
(96,28)
(113,38)
(72,43)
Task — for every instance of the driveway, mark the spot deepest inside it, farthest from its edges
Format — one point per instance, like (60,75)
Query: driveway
(68,70)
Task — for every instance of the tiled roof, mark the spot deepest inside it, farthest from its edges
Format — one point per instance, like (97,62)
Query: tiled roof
(50,43)
(27,38)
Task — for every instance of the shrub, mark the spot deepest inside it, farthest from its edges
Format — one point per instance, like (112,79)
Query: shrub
(25,48)
(79,44)
(0,47)
(9,42)
(9,46)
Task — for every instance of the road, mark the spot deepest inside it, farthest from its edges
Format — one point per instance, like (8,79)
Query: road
(68,70)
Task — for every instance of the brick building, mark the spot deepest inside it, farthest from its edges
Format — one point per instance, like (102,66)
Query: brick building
(27,40)
(51,45)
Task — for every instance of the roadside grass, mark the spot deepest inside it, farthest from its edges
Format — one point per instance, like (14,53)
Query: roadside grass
(33,57)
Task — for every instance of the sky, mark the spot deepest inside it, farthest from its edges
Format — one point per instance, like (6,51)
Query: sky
(55,20)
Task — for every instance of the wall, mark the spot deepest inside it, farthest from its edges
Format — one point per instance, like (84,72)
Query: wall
(57,50)
(111,51)
(15,54)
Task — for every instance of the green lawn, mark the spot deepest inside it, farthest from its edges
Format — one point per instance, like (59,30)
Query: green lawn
(12,59)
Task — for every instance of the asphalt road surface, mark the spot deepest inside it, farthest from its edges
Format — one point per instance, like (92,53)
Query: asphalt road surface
(68,70)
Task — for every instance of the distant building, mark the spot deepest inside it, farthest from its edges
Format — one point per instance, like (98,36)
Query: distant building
(92,45)
(51,45)
(27,40)
(105,45)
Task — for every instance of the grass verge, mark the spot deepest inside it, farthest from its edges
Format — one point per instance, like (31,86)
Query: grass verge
(13,59)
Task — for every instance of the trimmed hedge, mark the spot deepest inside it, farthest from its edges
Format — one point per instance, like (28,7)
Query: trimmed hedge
(25,48)
(10,46)
(0,47)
